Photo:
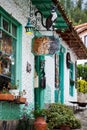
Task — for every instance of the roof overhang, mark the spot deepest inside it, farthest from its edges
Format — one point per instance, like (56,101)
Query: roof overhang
(81,28)
(64,27)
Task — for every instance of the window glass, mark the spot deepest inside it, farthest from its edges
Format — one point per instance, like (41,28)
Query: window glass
(6,25)
(14,30)
(7,60)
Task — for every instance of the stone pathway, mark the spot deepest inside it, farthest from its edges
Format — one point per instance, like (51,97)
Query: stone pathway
(82,115)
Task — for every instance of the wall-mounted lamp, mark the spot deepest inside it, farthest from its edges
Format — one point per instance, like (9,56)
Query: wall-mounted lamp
(29,27)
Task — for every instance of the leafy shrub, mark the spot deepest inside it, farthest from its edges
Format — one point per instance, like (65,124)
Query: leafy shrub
(82,86)
(60,114)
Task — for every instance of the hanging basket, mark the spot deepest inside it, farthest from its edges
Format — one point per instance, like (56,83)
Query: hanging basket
(45,45)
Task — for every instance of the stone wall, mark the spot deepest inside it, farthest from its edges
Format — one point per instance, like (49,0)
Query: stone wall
(11,125)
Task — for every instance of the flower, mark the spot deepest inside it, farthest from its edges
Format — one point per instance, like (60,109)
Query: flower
(25,113)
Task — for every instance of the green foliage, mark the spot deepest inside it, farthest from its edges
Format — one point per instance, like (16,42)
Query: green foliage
(79,4)
(82,86)
(75,12)
(23,124)
(38,112)
(82,71)
(60,114)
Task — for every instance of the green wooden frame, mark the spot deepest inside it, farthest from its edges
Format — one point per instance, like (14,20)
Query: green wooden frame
(18,39)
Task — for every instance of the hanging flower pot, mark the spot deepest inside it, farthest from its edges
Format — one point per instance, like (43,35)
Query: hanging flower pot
(40,123)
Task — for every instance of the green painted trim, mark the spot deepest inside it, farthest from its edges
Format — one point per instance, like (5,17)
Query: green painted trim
(39,92)
(71,88)
(56,95)
(19,56)
(61,75)
(11,20)
(9,110)
(8,16)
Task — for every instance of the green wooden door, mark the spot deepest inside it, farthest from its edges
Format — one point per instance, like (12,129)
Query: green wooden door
(39,91)
(61,75)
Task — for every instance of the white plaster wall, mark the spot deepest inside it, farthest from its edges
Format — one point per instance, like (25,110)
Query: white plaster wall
(82,37)
(19,10)
(67,97)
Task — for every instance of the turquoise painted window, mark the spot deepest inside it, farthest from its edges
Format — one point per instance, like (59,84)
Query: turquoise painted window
(71,79)
(10,49)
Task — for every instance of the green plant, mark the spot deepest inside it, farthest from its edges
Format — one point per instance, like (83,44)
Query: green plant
(13,86)
(5,90)
(75,123)
(23,123)
(60,114)
(38,112)
(82,86)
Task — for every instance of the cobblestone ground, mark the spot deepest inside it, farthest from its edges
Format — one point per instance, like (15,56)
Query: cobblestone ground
(82,115)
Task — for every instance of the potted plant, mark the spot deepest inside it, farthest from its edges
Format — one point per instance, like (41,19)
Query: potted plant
(5,95)
(40,122)
(19,98)
(61,116)
(13,88)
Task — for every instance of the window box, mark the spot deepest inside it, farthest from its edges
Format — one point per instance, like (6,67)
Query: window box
(6,97)
(20,100)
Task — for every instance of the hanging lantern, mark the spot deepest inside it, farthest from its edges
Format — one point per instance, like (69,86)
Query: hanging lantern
(29,27)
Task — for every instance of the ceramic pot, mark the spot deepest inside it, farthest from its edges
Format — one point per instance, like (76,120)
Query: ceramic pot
(15,92)
(65,127)
(40,123)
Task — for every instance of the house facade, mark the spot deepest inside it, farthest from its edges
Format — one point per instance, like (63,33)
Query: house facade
(43,65)
(82,32)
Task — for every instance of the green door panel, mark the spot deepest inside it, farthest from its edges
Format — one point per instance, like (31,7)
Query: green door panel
(39,92)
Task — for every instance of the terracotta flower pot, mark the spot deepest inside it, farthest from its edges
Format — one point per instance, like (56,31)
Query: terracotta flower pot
(65,127)
(40,123)
(6,97)
(21,100)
